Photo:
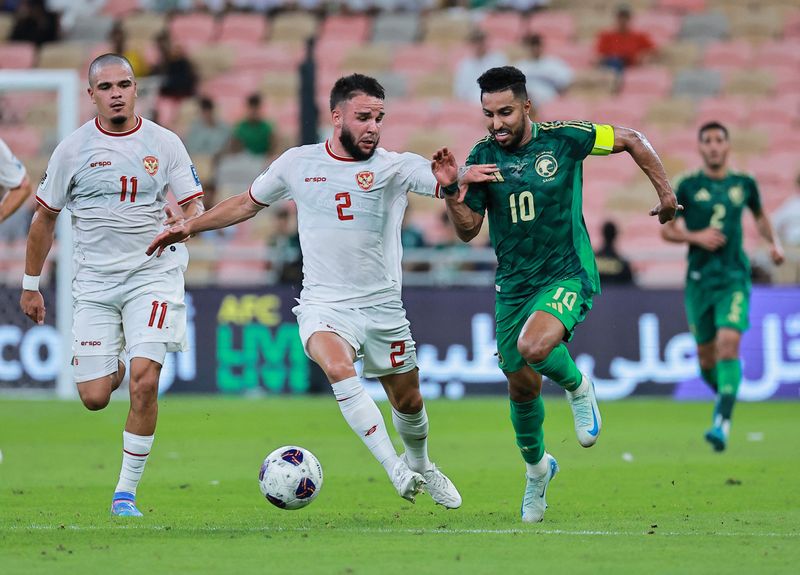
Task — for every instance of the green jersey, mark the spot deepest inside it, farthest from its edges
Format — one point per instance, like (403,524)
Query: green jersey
(535,207)
(718,204)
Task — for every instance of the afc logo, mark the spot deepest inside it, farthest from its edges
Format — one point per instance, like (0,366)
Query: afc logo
(102,164)
(317,179)
(94,343)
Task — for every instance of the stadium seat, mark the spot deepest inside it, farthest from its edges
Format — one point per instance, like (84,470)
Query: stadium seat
(409,111)
(733,55)
(25,141)
(242,28)
(729,111)
(566,108)
(705,27)
(414,59)
(756,24)
(354,26)
(192,29)
(791,26)
(786,138)
(239,84)
(280,87)
(777,112)
(63,55)
(778,170)
(17,55)
(751,83)
(623,111)
(590,21)
(438,85)
(6,25)
(502,28)
(555,26)
(670,114)
(293,27)
(592,83)
(779,53)
(425,141)
(647,81)
(579,55)
(680,54)
(330,53)
(682,6)
(121,8)
(272,57)
(93,29)
(394,83)
(212,60)
(663,27)
(396,28)
(697,83)
(143,25)
(445,27)
(749,141)
(369,58)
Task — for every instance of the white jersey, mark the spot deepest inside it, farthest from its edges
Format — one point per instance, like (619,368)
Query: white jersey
(12,172)
(349,215)
(115,185)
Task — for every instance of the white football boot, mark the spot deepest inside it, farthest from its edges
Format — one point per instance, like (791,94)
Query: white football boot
(440,488)
(533,502)
(408,483)
(585,412)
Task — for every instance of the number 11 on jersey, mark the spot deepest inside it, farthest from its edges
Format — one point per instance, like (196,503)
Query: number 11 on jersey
(124,192)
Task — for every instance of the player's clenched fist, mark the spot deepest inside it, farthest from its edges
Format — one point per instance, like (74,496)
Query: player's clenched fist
(32,304)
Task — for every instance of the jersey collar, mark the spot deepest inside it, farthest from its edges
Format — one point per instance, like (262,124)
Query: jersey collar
(117,134)
(334,156)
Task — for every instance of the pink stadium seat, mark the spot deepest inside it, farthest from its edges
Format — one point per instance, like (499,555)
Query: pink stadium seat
(456,112)
(502,28)
(417,59)
(396,134)
(777,169)
(651,81)
(781,111)
(239,84)
(617,168)
(192,28)
(17,55)
(728,55)
(280,57)
(791,26)
(682,6)
(240,28)
(331,52)
(564,109)
(408,111)
(120,8)
(553,25)
(729,111)
(576,54)
(25,141)
(786,138)
(663,27)
(776,53)
(355,26)
(627,111)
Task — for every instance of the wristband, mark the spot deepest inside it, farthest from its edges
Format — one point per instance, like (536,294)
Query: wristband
(450,190)
(30,283)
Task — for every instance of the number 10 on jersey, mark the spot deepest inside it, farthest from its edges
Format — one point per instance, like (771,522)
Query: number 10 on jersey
(521,206)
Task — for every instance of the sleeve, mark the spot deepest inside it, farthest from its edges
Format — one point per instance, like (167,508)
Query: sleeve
(753,196)
(476,194)
(12,172)
(182,175)
(56,183)
(271,185)
(415,176)
(583,138)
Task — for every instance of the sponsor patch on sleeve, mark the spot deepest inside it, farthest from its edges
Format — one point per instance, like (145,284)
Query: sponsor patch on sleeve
(194,175)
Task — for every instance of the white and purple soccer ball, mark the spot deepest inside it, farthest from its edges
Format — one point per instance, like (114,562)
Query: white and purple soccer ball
(290,477)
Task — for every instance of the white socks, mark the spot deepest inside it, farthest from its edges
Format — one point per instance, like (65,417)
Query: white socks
(364,417)
(413,430)
(135,449)
(537,469)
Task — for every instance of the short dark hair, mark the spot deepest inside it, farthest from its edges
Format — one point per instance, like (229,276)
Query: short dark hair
(106,60)
(347,87)
(711,126)
(502,79)
(254,100)
(206,103)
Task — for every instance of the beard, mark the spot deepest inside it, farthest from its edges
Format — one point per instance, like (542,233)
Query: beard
(119,119)
(516,136)
(349,143)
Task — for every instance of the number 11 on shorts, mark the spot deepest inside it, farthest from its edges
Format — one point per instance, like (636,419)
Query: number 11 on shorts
(154,313)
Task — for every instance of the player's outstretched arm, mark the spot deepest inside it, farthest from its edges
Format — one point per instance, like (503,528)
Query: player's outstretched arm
(637,145)
(227,213)
(764,226)
(455,182)
(40,240)
(14,198)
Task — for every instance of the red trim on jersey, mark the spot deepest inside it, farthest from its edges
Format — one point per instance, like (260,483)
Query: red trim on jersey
(436,193)
(255,201)
(190,198)
(44,204)
(117,134)
(334,156)
(136,454)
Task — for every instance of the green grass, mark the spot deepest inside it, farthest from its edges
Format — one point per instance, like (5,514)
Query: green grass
(676,507)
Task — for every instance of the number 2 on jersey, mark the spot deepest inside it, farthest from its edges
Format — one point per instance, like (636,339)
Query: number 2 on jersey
(124,192)
(716,217)
(344,202)
(527,211)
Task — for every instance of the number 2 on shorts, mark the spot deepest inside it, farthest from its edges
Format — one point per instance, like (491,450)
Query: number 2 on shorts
(399,348)
(154,312)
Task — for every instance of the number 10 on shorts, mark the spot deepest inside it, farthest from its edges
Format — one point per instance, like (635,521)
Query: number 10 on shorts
(563,299)
(155,313)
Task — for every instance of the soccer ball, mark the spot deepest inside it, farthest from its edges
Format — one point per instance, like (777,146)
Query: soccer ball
(290,477)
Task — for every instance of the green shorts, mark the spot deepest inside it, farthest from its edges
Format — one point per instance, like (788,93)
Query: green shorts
(711,309)
(568,300)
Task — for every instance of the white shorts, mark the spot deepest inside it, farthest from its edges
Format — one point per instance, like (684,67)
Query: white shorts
(146,308)
(379,334)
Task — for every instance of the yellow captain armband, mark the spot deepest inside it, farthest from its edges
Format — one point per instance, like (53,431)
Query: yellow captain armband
(603,140)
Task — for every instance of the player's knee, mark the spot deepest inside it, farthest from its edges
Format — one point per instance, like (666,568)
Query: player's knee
(409,403)
(144,390)
(533,351)
(337,369)
(95,400)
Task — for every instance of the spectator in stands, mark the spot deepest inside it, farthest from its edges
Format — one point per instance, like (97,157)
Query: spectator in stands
(622,46)
(207,134)
(786,219)
(548,76)
(465,84)
(254,133)
(33,22)
(285,247)
(119,45)
(179,76)
(612,267)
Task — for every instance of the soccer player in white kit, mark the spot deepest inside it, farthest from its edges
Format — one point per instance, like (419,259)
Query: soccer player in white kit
(14,180)
(112,174)
(351,196)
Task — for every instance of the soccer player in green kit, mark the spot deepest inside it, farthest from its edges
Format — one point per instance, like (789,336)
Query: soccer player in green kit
(546,275)
(717,292)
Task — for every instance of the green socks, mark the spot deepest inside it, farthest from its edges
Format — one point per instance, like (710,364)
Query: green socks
(729,376)
(527,418)
(560,368)
(710,377)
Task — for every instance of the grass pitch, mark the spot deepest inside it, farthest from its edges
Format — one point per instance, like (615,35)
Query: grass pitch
(650,497)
